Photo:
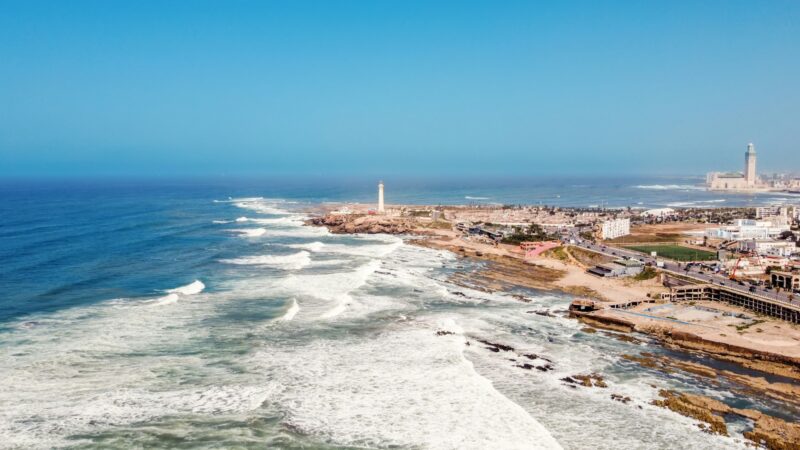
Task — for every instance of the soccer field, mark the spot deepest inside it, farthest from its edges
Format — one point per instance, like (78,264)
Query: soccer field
(676,252)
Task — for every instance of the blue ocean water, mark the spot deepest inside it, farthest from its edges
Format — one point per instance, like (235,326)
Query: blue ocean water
(203,313)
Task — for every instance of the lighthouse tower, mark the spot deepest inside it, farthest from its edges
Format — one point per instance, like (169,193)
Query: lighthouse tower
(750,165)
(381,209)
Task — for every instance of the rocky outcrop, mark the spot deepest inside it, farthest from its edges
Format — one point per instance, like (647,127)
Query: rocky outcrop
(694,342)
(351,224)
(768,431)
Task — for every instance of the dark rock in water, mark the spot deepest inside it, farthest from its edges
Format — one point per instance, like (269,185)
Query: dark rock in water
(460,294)
(569,380)
(497,347)
(521,298)
(544,368)
(445,333)
(620,398)
(531,356)
(494,349)
(525,366)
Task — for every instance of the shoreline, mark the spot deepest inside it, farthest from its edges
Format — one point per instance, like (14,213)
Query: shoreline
(770,374)
(508,268)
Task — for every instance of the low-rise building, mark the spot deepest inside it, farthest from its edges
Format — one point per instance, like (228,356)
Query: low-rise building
(768,247)
(618,268)
(789,280)
(743,229)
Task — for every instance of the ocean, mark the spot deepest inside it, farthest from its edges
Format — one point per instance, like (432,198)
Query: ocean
(203,313)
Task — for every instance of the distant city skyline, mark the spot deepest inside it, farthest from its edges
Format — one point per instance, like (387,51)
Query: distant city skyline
(206,88)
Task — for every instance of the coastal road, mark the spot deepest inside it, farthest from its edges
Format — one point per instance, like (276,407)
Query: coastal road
(676,268)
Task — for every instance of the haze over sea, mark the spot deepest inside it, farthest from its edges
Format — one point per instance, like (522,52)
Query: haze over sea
(203,313)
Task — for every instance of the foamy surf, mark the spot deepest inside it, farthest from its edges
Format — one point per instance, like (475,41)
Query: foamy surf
(195,287)
(294,261)
(399,388)
(292,311)
(249,232)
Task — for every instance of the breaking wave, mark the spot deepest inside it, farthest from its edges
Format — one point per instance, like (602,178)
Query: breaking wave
(192,288)
(289,262)
(249,232)
(671,187)
(292,311)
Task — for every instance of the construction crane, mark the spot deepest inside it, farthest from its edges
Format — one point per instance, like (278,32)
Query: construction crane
(735,266)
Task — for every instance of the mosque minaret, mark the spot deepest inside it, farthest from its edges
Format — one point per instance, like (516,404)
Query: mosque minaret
(739,181)
(750,165)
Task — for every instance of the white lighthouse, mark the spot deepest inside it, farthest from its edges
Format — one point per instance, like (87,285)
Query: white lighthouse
(381,209)
(750,165)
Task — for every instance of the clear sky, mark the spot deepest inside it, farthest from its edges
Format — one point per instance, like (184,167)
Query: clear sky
(227,87)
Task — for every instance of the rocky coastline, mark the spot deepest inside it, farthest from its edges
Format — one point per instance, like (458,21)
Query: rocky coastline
(504,272)
(366,224)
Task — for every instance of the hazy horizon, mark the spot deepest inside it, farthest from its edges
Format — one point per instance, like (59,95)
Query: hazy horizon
(382,89)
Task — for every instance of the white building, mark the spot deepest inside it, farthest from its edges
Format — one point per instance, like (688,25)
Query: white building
(743,229)
(615,228)
(778,215)
(658,212)
(769,247)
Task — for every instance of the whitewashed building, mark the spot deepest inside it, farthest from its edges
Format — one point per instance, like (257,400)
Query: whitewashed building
(769,247)
(615,228)
(743,229)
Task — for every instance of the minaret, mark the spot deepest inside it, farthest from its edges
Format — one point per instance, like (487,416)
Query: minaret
(380,198)
(750,165)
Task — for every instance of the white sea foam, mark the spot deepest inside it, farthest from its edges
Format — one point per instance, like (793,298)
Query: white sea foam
(311,246)
(165,300)
(372,250)
(285,221)
(261,207)
(242,219)
(334,290)
(303,231)
(195,287)
(293,261)
(671,187)
(241,199)
(292,311)
(697,203)
(221,221)
(476,198)
(249,232)
(400,388)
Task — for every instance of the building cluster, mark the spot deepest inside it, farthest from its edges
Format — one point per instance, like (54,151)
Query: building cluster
(548,217)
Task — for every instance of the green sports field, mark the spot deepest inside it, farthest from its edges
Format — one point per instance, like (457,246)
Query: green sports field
(675,252)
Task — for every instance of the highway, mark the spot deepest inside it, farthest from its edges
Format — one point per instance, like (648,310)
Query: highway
(677,268)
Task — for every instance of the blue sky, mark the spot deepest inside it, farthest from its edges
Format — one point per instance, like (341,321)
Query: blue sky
(195,88)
